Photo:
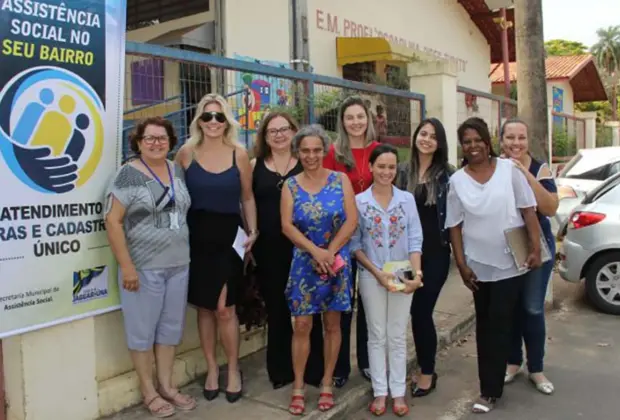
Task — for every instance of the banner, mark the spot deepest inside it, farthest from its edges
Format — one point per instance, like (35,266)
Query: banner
(61,85)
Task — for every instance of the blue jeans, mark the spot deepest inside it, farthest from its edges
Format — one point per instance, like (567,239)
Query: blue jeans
(529,321)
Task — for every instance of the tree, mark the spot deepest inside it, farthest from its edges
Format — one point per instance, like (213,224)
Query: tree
(607,53)
(531,79)
(564,47)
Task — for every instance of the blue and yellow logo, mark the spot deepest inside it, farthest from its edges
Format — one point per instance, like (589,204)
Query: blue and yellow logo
(51,131)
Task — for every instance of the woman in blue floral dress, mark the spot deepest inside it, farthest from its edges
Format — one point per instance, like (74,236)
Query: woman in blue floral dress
(319,216)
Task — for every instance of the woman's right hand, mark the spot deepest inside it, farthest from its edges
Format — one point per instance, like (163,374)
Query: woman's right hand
(130,278)
(324,261)
(386,280)
(469,278)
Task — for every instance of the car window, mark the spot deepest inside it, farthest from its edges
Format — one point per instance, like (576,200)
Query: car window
(597,174)
(609,195)
(613,169)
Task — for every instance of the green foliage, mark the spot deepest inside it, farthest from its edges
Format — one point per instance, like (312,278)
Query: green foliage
(564,47)
(564,144)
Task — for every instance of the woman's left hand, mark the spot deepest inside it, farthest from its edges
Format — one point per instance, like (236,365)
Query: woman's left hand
(250,241)
(533,260)
(520,166)
(413,285)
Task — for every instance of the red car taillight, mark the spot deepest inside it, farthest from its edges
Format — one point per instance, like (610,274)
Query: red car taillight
(582,219)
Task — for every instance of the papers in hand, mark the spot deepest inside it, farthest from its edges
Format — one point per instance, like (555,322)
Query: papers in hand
(397,268)
(240,239)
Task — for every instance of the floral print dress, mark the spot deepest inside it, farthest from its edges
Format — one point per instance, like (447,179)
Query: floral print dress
(319,217)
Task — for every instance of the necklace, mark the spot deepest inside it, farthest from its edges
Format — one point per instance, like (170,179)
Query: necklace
(281,174)
(360,173)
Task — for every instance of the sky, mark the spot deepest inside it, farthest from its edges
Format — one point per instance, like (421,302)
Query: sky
(578,20)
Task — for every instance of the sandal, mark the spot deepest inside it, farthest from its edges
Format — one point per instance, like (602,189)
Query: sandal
(326,399)
(544,387)
(298,404)
(377,410)
(510,377)
(400,410)
(483,405)
(183,402)
(161,411)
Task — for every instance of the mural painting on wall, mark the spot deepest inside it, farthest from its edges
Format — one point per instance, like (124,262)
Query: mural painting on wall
(558,105)
(255,95)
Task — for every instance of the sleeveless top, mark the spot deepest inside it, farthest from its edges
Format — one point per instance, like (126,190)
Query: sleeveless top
(214,192)
(549,184)
(267,187)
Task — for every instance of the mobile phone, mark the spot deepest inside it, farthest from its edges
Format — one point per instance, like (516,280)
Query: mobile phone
(338,264)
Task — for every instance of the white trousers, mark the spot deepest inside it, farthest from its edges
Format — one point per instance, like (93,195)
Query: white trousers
(387,315)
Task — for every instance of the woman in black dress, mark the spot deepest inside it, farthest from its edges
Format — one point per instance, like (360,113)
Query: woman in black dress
(219,180)
(274,162)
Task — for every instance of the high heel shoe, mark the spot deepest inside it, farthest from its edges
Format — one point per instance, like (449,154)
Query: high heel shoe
(417,392)
(210,394)
(233,397)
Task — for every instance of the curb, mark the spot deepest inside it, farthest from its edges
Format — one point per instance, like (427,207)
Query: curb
(355,398)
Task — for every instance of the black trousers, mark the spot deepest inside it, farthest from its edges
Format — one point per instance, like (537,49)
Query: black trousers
(435,266)
(495,308)
(273,258)
(343,365)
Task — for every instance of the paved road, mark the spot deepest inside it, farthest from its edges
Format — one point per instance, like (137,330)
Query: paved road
(583,361)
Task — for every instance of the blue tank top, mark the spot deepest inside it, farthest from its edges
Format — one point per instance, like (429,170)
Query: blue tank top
(549,184)
(219,193)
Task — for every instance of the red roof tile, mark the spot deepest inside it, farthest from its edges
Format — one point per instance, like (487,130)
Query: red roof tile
(557,67)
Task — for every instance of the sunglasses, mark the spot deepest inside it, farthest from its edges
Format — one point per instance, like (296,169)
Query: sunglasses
(208,116)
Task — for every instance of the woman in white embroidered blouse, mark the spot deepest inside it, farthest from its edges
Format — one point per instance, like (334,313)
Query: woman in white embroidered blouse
(389,231)
(488,196)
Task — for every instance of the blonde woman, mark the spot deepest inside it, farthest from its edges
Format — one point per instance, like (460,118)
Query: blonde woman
(219,180)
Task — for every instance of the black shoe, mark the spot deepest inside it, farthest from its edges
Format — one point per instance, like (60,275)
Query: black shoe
(280,384)
(233,397)
(340,381)
(417,392)
(366,374)
(210,394)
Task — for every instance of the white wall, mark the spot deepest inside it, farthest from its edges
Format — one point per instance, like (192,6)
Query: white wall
(259,29)
(437,26)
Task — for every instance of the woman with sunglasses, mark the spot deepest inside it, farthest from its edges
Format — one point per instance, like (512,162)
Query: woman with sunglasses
(273,164)
(356,141)
(219,179)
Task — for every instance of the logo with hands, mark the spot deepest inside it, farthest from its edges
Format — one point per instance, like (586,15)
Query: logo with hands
(51,131)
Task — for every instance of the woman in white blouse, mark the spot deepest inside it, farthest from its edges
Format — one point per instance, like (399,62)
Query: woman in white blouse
(488,196)
(389,231)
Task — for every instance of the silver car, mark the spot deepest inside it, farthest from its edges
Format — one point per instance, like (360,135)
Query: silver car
(591,245)
(585,171)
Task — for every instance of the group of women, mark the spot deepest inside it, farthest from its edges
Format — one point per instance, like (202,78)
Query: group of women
(337,221)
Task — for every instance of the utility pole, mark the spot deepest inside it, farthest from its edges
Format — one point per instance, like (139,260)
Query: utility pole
(531,77)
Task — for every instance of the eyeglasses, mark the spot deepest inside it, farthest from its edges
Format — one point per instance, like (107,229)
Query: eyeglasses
(272,132)
(208,116)
(150,140)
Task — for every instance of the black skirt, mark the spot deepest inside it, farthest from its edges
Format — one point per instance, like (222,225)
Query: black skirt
(214,263)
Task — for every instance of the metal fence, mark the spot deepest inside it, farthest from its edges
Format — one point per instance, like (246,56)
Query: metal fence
(169,82)
(493,109)
(568,136)
(605,135)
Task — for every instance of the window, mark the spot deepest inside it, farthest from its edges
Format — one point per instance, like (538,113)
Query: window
(147,82)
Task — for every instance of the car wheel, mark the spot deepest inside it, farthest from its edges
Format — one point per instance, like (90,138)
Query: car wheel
(603,283)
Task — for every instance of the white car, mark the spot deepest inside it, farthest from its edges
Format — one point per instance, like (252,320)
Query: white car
(585,171)
(591,246)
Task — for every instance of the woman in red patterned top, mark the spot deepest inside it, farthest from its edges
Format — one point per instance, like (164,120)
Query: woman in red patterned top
(350,154)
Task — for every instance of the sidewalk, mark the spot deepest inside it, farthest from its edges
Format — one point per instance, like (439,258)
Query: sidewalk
(454,315)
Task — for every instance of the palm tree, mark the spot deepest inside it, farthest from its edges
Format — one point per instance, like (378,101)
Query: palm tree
(607,53)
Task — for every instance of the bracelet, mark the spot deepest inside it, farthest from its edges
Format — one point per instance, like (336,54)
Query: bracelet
(252,232)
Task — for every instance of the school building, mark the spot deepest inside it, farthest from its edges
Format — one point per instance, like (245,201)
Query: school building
(443,50)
